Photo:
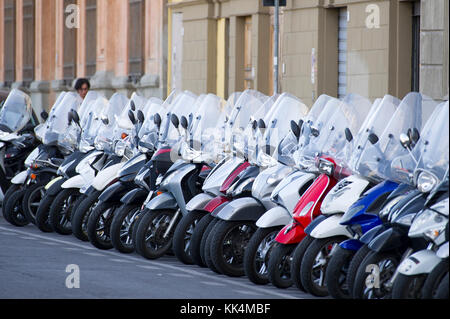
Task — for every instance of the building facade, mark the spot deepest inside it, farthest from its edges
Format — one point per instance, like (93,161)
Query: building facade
(334,47)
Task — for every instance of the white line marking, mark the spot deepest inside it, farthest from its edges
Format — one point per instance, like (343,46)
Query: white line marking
(165,265)
(245,292)
(93,254)
(149,267)
(212,283)
(26,237)
(119,260)
(180,275)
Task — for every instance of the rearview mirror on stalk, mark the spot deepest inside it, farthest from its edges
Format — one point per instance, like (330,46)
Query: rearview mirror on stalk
(157,120)
(174,120)
(348,135)
(261,124)
(75,117)
(44,116)
(140,116)
(373,138)
(295,129)
(404,140)
(131,117)
(314,132)
(132,106)
(184,122)
(413,135)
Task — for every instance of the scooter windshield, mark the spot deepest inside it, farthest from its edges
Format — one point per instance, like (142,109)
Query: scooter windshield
(431,152)
(16,112)
(383,111)
(57,123)
(412,112)
(154,105)
(278,126)
(105,135)
(92,123)
(40,130)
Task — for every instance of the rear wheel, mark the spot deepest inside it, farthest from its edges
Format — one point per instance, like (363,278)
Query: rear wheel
(280,265)
(196,239)
(11,190)
(297,258)
(150,240)
(32,198)
(354,265)
(337,270)
(257,254)
(183,235)
(121,227)
(81,215)
(42,214)
(205,244)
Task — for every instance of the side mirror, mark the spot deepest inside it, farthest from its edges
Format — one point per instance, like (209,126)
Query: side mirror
(184,122)
(131,116)
(295,129)
(314,132)
(254,124)
(105,121)
(373,138)
(69,117)
(44,116)
(300,125)
(404,140)
(174,120)
(414,135)
(75,117)
(133,106)
(140,116)
(157,119)
(348,134)
(261,124)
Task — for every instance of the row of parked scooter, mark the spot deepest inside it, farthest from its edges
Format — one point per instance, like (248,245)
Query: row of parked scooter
(347,198)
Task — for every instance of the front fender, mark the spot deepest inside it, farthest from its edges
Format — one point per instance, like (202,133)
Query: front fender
(106,176)
(292,233)
(112,192)
(421,262)
(198,202)
(74,182)
(277,216)
(351,244)
(162,201)
(371,234)
(246,208)
(330,227)
(134,195)
(215,202)
(54,186)
(20,178)
(390,239)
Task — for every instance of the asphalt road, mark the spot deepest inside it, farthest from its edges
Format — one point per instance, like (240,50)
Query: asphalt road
(33,265)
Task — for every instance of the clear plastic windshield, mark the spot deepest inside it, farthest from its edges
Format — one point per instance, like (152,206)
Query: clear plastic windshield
(58,125)
(105,138)
(15,112)
(362,161)
(92,123)
(278,125)
(431,153)
(412,112)
(39,130)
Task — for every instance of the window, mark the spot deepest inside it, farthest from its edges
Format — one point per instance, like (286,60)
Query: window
(70,49)
(10,41)
(415,60)
(91,37)
(136,39)
(342,53)
(28,42)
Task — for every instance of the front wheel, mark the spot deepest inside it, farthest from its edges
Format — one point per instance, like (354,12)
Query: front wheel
(12,208)
(297,257)
(279,271)
(337,270)
(196,239)
(121,227)
(433,280)
(442,290)
(257,253)
(408,287)
(99,224)
(183,235)
(60,215)
(31,199)
(42,214)
(150,240)
(228,245)
(80,216)
(11,190)
(315,262)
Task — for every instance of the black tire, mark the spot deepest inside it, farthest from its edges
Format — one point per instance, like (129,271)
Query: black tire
(121,228)
(297,257)
(337,270)
(99,224)
(81,214)
(408,287)
(61,211)
(354,265)
(11,190)
(279,267)
(312,273)
(434,278)
(149,236)
(183,235)
(228,243)
(32,198)
(205,244)
(387,263)
(12,208)
(43,212)
(442,291)
(257,254)
(196,239)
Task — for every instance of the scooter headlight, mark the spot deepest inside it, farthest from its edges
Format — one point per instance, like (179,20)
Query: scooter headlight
(426,182)
(278,176)
(428,223)
(326,167)
(405,220)
(119,149)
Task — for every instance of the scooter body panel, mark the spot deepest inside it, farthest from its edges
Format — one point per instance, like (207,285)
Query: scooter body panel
(199,201)
(330,227)
(421,262)
(74,182)
(245,208)
(217,177)
(106,176)
(20,178)
(113,192)
(277,216)
(133,196)
(53,181)
(442,252)
(351,244)
(162,201)
(343,195)
(215,202)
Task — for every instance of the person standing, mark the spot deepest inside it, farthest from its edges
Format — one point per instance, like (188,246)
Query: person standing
(82,87)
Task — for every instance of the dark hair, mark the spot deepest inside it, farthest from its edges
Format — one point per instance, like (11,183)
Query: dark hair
(79,83)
